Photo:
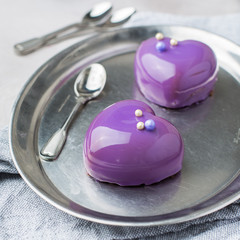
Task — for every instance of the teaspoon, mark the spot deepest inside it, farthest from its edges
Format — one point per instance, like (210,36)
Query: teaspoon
(118,18)
(97,20)
(98,14)
(88,85)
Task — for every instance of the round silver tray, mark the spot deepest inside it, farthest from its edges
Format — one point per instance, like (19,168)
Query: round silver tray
(209,179)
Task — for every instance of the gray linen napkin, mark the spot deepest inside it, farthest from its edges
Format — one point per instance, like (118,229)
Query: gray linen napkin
(24,215)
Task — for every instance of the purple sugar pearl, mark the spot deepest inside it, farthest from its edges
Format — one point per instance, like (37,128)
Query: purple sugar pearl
(150,125)
(161,46)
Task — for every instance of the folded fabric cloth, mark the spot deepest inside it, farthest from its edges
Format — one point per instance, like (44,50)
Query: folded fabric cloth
(24,215)
(224,25)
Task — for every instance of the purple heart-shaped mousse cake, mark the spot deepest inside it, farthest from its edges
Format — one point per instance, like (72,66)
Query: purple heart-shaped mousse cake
(175,74)
(128,145)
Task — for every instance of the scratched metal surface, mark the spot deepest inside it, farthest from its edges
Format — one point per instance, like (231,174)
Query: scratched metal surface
(209,179)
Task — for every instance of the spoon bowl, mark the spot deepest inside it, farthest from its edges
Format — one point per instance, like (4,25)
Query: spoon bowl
(120,17)
(98,12)
(90,82)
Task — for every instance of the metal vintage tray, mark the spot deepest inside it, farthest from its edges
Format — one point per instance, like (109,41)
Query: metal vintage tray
(209,179)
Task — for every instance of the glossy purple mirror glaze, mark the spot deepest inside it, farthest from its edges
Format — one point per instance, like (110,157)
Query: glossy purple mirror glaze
(115,151)
(177,77)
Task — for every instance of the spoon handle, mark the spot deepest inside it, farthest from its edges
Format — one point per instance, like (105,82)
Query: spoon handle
(54,145)
(79,32)
(31,45)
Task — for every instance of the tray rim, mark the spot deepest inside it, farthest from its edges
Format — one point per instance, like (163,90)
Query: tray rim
(194,215)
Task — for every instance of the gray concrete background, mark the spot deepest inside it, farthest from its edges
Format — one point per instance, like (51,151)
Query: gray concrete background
(21,20)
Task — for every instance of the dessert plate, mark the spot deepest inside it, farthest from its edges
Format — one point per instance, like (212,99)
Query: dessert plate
(210,177)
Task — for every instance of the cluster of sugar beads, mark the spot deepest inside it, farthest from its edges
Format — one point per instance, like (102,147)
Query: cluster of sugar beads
(149,124)
(161,46)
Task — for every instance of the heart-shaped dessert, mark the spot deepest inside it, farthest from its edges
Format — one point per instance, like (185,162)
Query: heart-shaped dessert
(175,74)
(128,145)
